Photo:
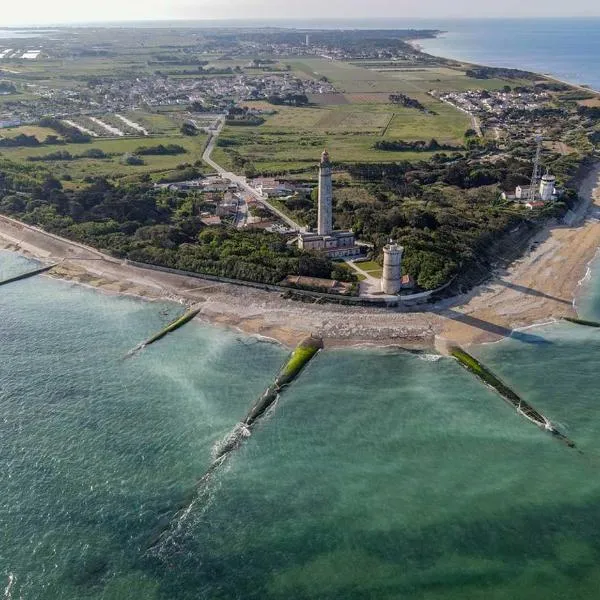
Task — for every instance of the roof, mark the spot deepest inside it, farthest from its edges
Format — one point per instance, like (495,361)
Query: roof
(211,220)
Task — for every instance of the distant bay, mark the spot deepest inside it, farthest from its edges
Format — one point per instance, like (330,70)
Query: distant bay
(567,49)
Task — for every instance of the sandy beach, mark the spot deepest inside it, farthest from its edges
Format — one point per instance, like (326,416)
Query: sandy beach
(538,288)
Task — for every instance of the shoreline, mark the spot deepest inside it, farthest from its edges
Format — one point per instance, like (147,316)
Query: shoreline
(539,287)
(416,44)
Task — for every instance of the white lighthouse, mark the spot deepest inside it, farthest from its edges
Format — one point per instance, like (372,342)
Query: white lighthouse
(391,279)
(335,244)
(547,186)
(325,219)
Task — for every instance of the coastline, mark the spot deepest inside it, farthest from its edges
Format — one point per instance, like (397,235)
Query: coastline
(536,289)
(420,47)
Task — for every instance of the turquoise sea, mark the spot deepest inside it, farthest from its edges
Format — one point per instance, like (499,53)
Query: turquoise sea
(379,474)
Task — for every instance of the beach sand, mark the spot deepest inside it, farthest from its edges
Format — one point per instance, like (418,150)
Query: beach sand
(538,288)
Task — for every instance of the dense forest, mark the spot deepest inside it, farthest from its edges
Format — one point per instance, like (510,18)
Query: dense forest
(446,212)
(137,222)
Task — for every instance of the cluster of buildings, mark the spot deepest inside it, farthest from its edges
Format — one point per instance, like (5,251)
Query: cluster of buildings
(514,112)
(109,95)
(482,102)
(215,92)
(270,187)
(18,53)
(536,195)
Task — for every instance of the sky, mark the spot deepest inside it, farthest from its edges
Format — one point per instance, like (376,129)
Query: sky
(34,12)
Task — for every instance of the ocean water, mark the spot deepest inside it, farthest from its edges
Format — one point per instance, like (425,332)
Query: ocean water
(564,48)
(378,473)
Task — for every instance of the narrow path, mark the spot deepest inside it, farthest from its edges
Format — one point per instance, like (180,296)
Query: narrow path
(241,181)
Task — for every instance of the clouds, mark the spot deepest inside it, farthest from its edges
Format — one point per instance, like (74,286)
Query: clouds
(65,11)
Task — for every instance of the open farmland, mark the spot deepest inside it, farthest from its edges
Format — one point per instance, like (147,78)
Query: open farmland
(364,77)
(115,149)
(353,120)
(41,133)
(291,139)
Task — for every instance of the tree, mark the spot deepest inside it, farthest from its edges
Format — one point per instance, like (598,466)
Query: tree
(188,129)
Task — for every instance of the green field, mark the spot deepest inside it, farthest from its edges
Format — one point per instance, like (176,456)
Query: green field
(351,122)
(360,77)
(296,136)
(41,133)
(112,167)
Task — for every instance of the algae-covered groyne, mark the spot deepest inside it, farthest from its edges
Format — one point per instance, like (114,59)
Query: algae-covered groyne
(27,275)
(172,326)
(523,408)
(293,366)
(582,322)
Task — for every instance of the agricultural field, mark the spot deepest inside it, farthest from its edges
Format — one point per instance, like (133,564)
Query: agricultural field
(113,165)
(41,133)
(365,77)
(294,137)
(351,121)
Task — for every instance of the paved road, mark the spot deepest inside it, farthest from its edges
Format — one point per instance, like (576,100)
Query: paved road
(241,181)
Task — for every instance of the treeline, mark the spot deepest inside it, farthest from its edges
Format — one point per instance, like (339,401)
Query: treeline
(97,153)
(289,99)
(241,115)
(65,155)
(160,150)
(136,222)
(591,112)
(70,134)
(541,112)
(20,140)
(498,72)
(414,146)
(251,121)
(406,101)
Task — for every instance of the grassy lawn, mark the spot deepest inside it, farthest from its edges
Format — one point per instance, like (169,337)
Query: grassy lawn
(371,267)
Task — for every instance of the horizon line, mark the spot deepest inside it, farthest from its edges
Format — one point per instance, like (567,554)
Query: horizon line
(255,20)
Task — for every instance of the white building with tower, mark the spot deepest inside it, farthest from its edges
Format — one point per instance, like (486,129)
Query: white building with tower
(548,187)
(540,189)
(336,244)
(391,279)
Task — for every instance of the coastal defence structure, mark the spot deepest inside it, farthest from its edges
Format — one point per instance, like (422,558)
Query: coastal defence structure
(336,244)
(172,326)
(27,275)
(304,352)
(391,279)
(523,408)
